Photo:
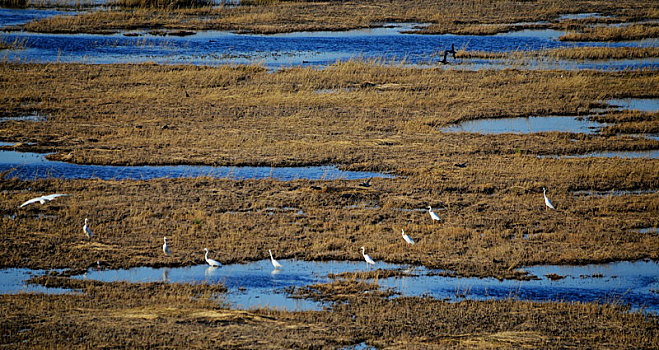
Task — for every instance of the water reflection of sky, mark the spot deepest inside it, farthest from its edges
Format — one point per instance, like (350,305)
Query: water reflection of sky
(34,166)
(527,125)
(304,48)
(257,284)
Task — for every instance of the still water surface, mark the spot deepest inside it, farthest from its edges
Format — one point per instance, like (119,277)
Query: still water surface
(257,284)
(29,166)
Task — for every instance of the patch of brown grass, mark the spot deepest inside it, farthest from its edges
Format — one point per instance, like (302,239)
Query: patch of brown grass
(603,53)
(168,315)
(459,17)
(632,32)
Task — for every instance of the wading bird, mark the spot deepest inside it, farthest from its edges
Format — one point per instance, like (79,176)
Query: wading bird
(165,248)
(366,257)
(87,231)
(43,199)
(432,214)
(547,201)
(407,238)
(274,262)
(211,262)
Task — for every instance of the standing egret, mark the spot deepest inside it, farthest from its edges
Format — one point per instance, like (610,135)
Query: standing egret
(211,262)
(274,262)
(547,201)
(43,199)
(87,231)
(432,214)
(367,258)
(165,248)
(407,238)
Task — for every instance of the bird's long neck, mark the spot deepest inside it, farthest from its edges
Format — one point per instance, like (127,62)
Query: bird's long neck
(206,256)
(271,258)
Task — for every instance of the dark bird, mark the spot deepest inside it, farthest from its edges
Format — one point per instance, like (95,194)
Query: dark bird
(452,50)
(366,183)
(444,59)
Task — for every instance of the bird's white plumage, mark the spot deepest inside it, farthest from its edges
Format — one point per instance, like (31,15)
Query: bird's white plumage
(87,231)
(407,238)
(274,262)
(547,201)
(367,257)
(43,199)
(165,247)
(432,214)
(211,262)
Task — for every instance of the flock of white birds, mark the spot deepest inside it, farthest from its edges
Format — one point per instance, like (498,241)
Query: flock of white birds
(214,263)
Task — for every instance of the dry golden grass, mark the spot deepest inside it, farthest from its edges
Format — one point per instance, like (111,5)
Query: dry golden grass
(603,53)
(361,115)
(13,3)
(632,32)
(493,218)
(174,316)
(459,17)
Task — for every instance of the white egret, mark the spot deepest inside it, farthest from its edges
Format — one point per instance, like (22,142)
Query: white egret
(432,214)
(407,238)
(43,199)
(87,231)
(274,262)
(211,262)
(547,201)
(165,248)
(367,258)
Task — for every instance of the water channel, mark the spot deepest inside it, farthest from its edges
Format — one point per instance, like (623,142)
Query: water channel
(388,42)
(30,166)
(257,284)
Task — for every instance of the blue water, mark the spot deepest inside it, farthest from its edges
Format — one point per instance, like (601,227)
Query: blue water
(12,281)
(650,154)
(257,284)
(305,48)
(29,166)
(639,104)
(526,125)
(12,17)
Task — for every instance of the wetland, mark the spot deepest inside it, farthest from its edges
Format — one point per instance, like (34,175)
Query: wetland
(300,128)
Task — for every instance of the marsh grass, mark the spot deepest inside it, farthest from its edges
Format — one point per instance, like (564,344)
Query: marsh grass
(480,17)
(377,117)
(632,32)
(482,234)
(182,315)
(603,53)
(14,3)
(163,4)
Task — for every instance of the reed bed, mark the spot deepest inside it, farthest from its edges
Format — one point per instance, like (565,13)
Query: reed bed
(478,17)
(14,3)
(603,53)
(163,4)
(493,219)
(167,315)
(358,114)
(632,32)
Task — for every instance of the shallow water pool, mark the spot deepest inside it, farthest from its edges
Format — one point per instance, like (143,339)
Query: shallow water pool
(257,284)
(29,166)
(527,125)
